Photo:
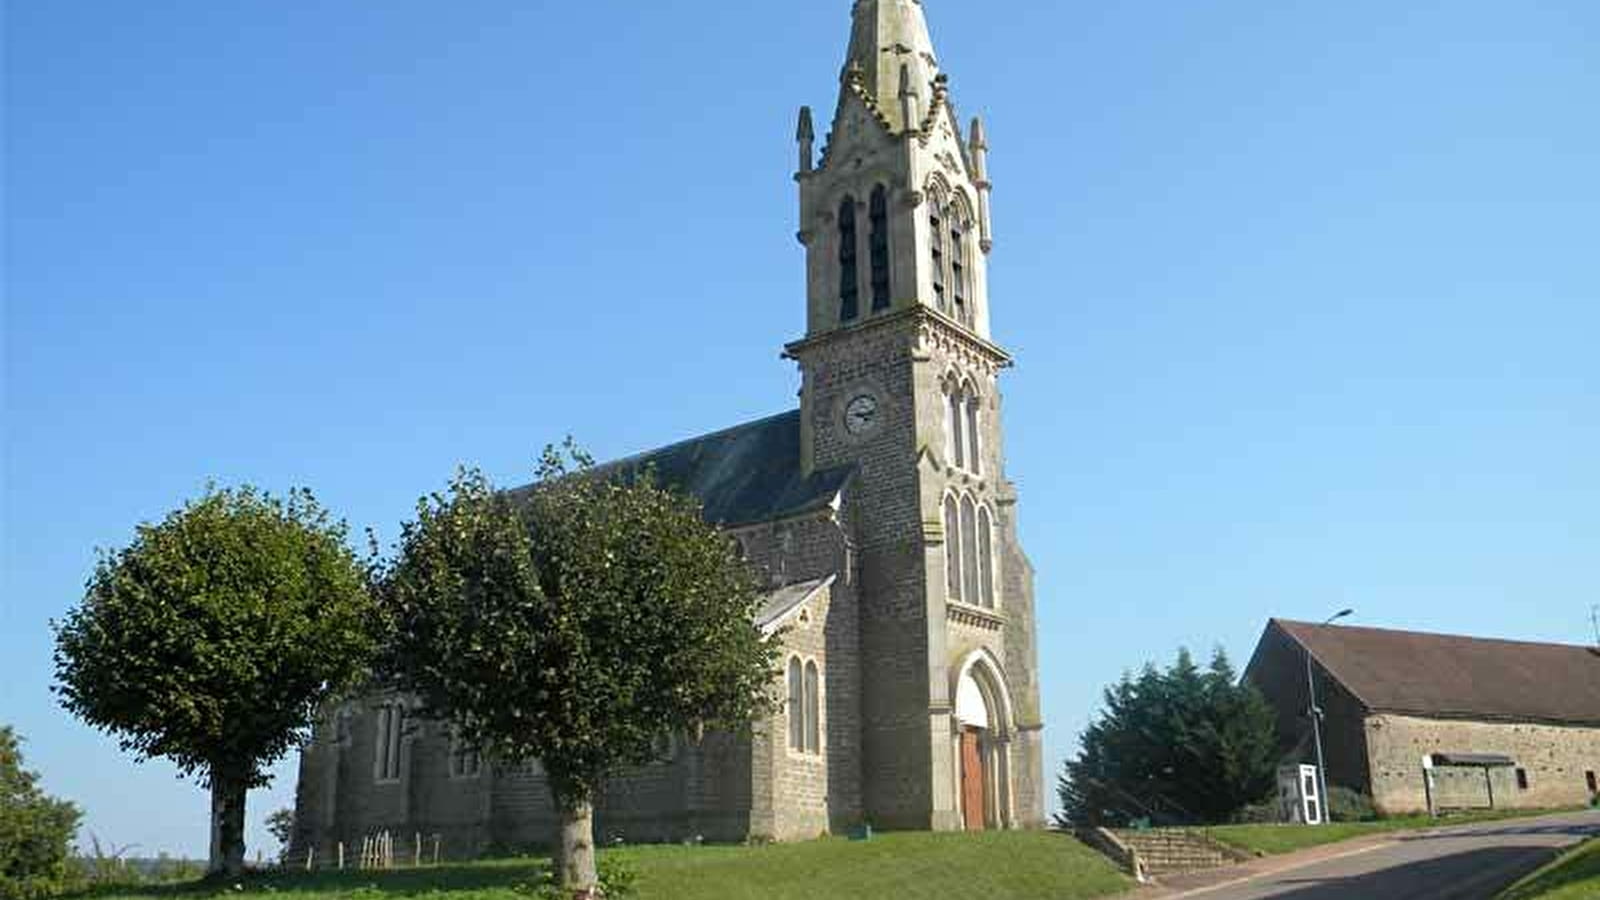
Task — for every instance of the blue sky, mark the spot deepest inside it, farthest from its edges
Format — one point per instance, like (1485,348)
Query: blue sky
(1304,295)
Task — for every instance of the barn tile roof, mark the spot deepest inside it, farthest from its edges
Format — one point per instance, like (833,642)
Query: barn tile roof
(743,475)
(1457,677)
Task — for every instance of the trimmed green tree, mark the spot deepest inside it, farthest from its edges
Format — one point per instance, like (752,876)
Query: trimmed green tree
(280,824)
(214,637)
(575,624)
(36,830)
(1182,746)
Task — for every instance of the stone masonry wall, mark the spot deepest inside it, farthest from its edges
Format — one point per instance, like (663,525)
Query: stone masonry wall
(723,789)
(1008,632)
(1556,759)
(883,512)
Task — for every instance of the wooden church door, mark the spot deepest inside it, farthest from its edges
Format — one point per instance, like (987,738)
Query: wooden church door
(973,794)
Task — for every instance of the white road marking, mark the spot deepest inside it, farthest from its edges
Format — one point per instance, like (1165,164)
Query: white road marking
(1268,873)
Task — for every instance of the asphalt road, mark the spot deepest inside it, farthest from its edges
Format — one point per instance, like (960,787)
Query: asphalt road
(1470,862)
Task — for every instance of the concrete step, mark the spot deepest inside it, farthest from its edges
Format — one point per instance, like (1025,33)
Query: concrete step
(1175,851)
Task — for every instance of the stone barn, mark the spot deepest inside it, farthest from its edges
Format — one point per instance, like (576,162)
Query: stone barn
(1428,721)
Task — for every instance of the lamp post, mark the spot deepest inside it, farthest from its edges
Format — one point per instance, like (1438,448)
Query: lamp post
(1316,721)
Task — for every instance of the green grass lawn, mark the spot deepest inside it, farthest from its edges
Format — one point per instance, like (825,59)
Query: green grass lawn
(1001,866)
(1271,840)
(1575,876)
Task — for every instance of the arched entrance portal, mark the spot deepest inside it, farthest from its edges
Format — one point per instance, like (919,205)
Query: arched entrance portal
(983,741)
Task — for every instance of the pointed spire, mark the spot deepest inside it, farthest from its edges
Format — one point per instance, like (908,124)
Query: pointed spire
(978,152)
(806,135)
(978,144)
(889,46)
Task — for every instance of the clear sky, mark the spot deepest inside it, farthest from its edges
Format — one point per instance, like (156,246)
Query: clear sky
(1305,296)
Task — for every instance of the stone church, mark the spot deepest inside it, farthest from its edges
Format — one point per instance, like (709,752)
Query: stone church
(879,512)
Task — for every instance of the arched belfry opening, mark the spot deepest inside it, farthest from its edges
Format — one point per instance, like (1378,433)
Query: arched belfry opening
(983,734)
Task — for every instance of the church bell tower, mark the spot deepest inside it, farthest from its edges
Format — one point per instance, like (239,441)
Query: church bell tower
(901,381)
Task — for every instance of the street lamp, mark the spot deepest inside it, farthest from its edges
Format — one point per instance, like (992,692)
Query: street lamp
(1316,721)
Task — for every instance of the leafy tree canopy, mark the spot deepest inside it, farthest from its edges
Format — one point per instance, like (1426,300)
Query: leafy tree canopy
(575,623)
(1182,746)
(36,830)
(212,639)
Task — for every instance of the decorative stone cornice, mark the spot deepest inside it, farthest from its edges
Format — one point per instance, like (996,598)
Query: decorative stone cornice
(974,617)
(931,330)
(938,332)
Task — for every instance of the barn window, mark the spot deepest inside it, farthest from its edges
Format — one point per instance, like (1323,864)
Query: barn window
(391,721)
(1522,779)
(1594,783)
(797,706)
(880,248)
(849,277)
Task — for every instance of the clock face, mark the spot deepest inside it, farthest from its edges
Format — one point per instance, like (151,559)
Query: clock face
(861,415)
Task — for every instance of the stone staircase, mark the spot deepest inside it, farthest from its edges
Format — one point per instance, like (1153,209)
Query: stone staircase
(1174,851)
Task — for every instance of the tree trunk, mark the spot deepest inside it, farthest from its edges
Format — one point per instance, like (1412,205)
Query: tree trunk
(575,864)
(227,823)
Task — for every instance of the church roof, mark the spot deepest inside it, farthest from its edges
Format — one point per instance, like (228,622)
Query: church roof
(1456,677)
(779,604)
(743,475)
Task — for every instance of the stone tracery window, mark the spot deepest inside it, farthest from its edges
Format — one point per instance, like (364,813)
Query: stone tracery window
(796,706)
(466,760)
(952,548)
(813,708)
(879,243)
(969,558)
(969,551)
(937,216)
(391,724)
(954,433)
(951,253)
(805,706)
(963,426)
(958,272)
(986,557)
(973,403)
(849,277)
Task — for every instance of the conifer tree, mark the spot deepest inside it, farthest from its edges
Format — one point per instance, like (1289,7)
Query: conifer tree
(1180,746)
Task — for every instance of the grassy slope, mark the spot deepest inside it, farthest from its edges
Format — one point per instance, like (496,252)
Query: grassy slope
(1575,876)
(1271,840)
(1007,866)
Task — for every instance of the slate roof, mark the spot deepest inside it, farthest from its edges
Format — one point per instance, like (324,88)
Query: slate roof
(744,475)
(780,603)
(1457,677)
